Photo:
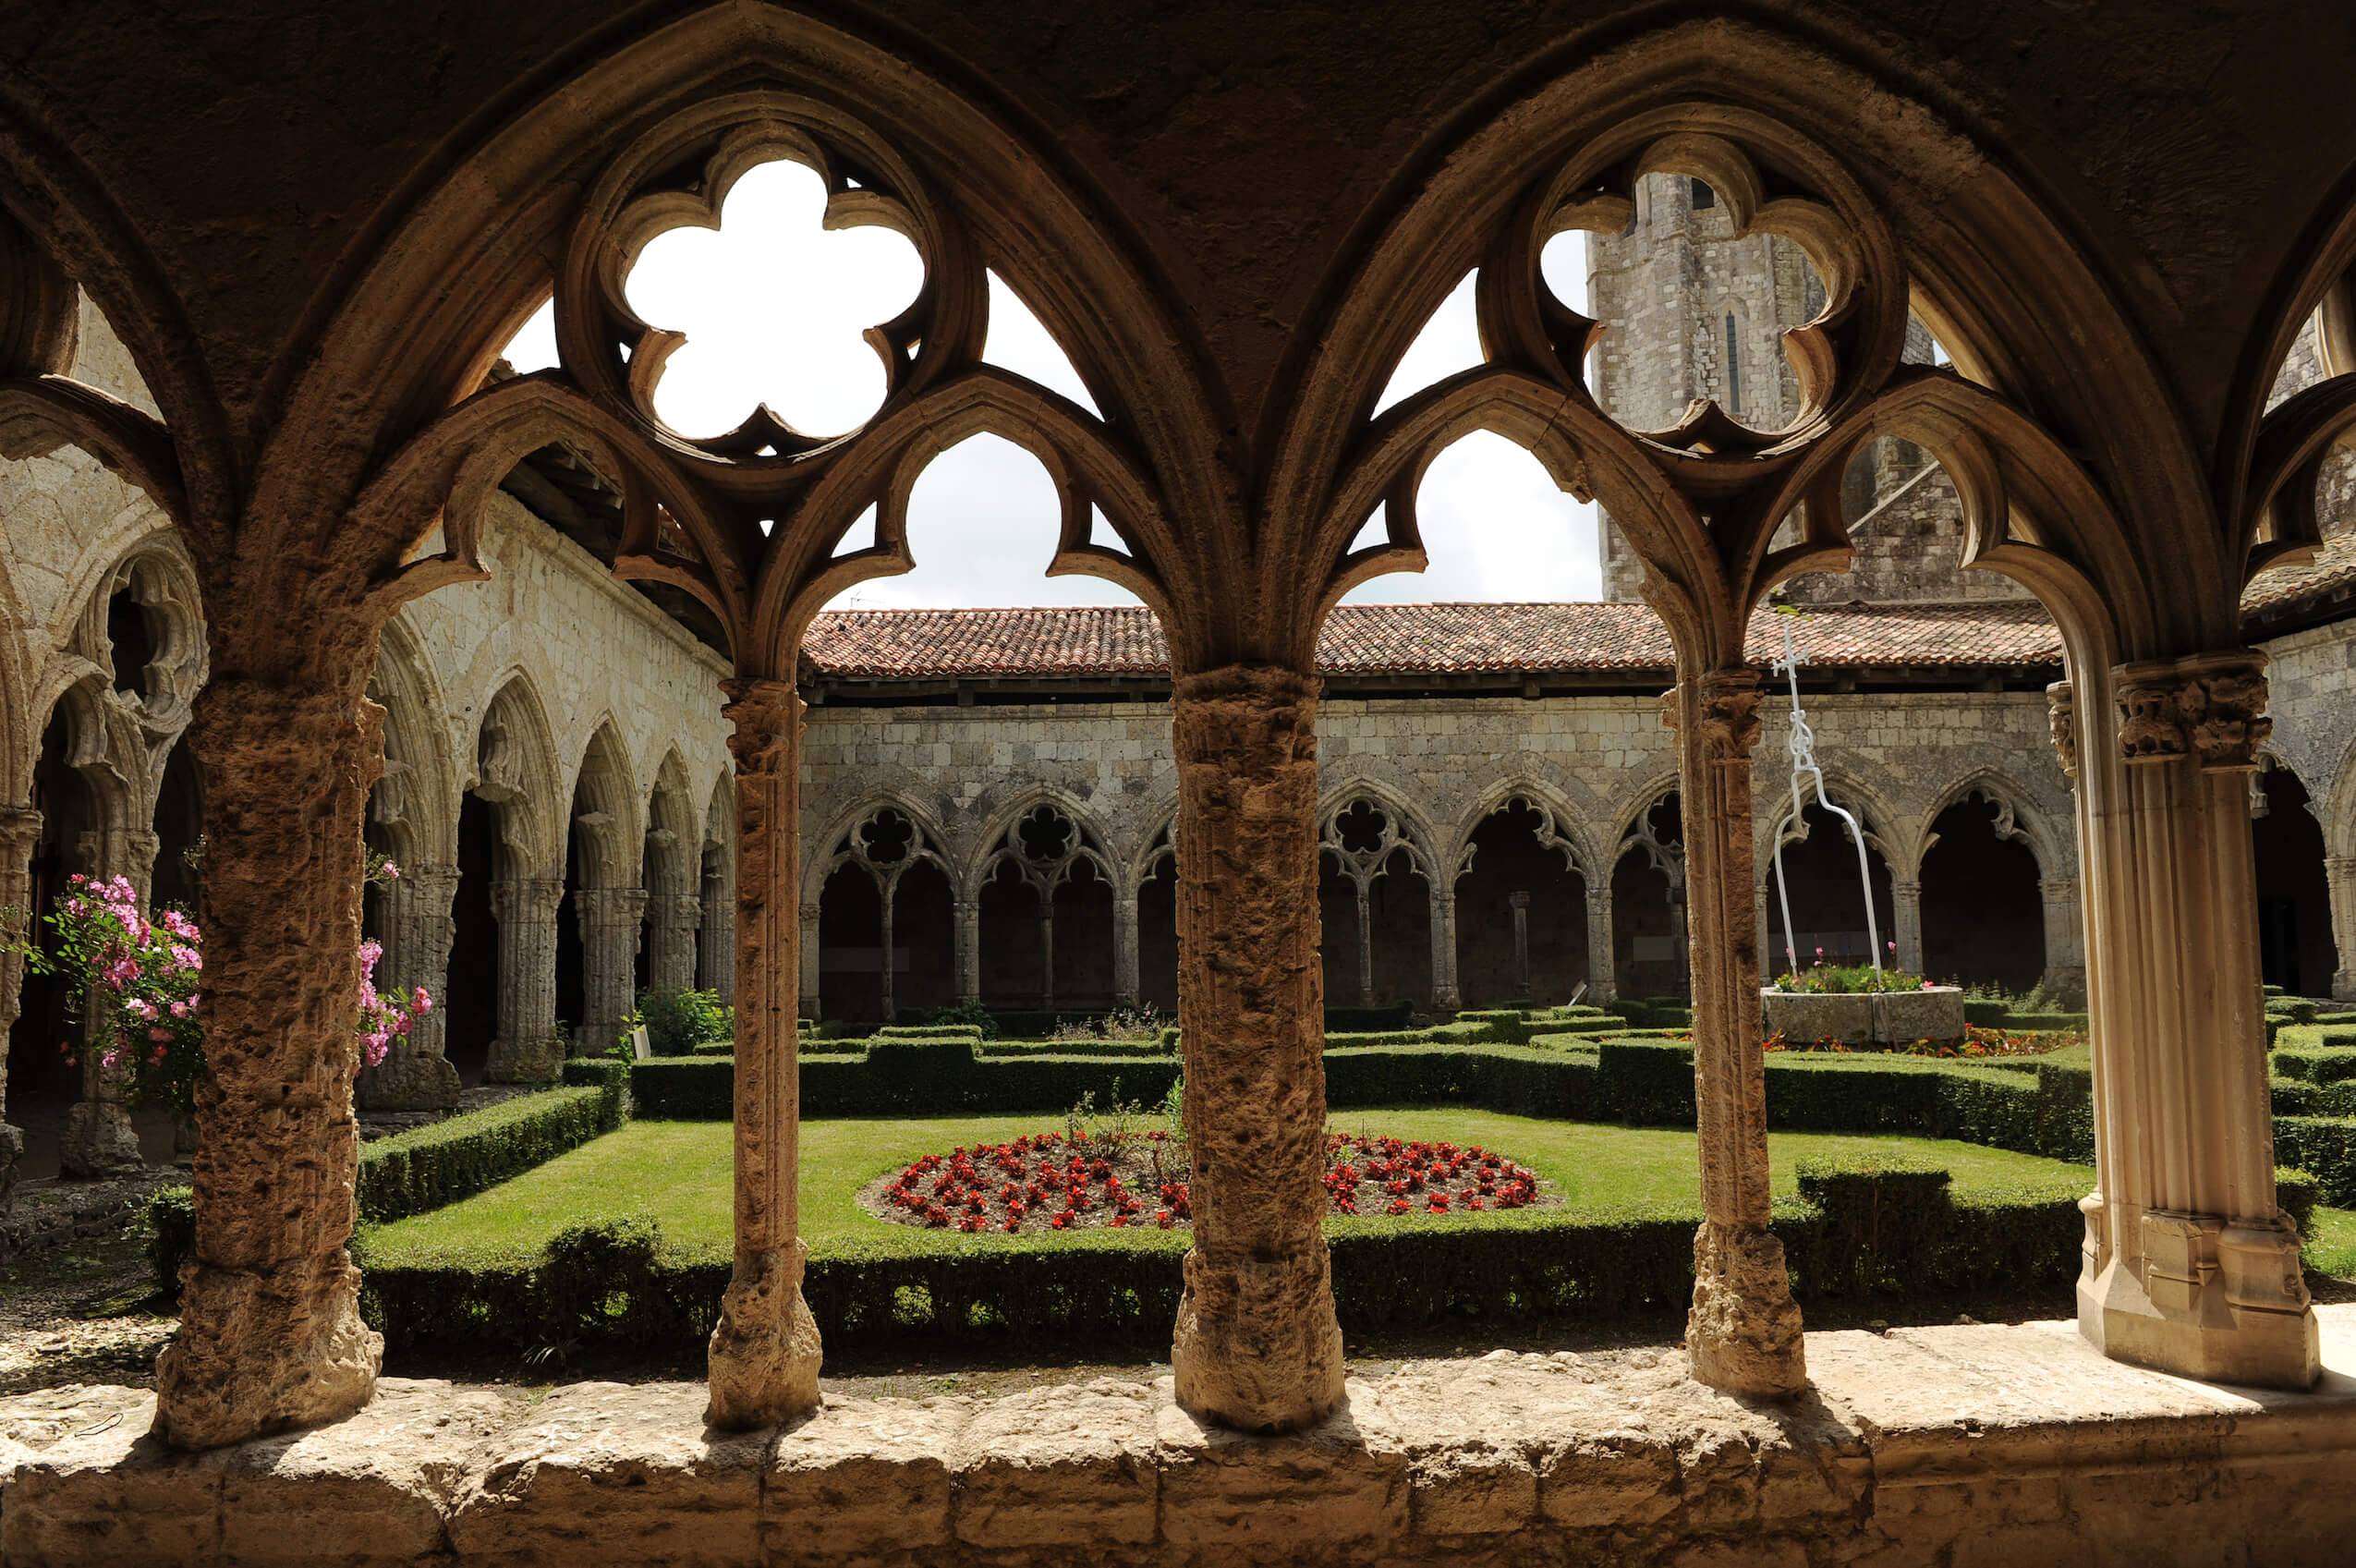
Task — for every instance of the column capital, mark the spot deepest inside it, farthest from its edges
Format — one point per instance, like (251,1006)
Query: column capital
(611,905)
(809,914)
(1518,900)
(2062,718)
(2210,707)
(522,897)
(2057,889)
(768,718)
(1728,712)
(19,829)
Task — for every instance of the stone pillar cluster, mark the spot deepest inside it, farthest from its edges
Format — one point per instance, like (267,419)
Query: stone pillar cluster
(2340,873)
(98,1139)
(1603,983)
(717,912)
(2065,975)
(2190,1263)
(1906,910)
(525,1049)
(610,918)
(1445,997)
(19,834)
(416,1073)
(671,922)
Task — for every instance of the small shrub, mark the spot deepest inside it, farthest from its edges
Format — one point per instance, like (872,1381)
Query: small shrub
(679,1019)
(964,1013)
(2297,1193)
(171,1236)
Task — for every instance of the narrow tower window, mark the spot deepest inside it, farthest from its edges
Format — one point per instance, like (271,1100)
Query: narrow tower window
(1703,197)
(1733,369)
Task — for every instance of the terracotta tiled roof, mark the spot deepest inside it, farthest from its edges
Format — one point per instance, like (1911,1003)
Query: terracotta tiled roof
(2334,568)
(1416,638)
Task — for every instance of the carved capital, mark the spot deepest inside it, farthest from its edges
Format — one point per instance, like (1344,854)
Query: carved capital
(767,716)
(2061,717)
(2210,707)
(1729,714)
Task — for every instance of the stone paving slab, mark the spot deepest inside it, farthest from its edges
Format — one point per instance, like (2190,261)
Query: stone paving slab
(1950,1447)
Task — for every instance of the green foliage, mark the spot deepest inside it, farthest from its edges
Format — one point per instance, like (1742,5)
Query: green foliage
(2324,1146)
(1847,980)
(431,1167)
(2334,1035)
(2297,1193)
(2295,1009)
(171,1236)
(964,1013)
(679,1019)
(617,1283)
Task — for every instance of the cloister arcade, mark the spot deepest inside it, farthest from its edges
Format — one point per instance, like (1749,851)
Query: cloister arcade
(323,434)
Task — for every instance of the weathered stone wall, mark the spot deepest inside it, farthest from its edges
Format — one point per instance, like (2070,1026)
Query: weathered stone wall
(1442,765)
(1922,1448)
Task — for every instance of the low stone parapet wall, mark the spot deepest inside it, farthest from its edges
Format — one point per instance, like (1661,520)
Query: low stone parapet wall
(1951,1446)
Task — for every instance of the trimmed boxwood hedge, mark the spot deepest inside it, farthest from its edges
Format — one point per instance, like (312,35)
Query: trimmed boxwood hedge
(1856,1232)
(433,1166)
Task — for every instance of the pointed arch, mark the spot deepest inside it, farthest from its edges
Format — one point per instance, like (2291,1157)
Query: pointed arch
(416,802)
(515,770)
(607,820)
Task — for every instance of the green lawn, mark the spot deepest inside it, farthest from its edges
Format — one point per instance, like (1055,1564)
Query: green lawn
(678,1172)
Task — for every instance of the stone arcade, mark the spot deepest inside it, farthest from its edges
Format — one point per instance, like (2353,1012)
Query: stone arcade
(312,242)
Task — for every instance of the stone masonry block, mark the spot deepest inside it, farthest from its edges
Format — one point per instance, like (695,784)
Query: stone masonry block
(862,1479)
(1276,1500)
(603,1474)
(1071,1467)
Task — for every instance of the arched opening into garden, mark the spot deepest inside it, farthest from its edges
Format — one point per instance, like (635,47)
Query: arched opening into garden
(1158,928)
(69,814)
(1828,908)
(470,1003)
(1983,910)
(1374,904)
(2295,948)
(887,922)
(1046,908)
(1520,910)
(1648,933)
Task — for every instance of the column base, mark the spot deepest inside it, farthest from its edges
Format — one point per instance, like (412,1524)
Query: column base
(1257,1347)
(259,1353)
(523,1061)
(2343,986)
(1743,1335)
(408,1081)
(98,1141)
(765,1352)
(2222,1302)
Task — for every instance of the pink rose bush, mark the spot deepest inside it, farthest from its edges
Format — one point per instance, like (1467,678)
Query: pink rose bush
(138,981)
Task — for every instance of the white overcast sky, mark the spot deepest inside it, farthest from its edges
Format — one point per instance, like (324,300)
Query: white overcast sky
(773,307)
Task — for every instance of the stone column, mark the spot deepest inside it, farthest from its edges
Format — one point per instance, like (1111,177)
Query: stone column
(717,912)
(671,939)
(2340,873)
(2190,1264)
(1906,907)
(1603,981)
(1743,1335)
(1520,903)
(20,836)
(2065,975)
(1366,941)
(1046,947)
(270,1335)
(416,1073)
(525,1050)
(887,970)
(609,919)
(1257,1345)
(1127,986)
(765,1351)
(1445,998)
(98,1139)
(813,997)
(966,938)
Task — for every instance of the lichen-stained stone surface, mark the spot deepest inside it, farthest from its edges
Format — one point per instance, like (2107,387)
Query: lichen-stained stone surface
(1938,1447)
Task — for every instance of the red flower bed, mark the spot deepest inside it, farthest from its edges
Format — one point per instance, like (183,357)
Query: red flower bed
(1976,1043)
(1049,1182)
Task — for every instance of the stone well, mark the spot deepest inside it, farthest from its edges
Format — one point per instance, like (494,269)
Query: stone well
(1889,1018)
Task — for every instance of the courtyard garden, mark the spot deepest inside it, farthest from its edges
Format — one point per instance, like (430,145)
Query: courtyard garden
(1497,1174)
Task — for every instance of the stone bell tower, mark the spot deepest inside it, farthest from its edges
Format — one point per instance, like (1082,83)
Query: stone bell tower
(1694,311)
